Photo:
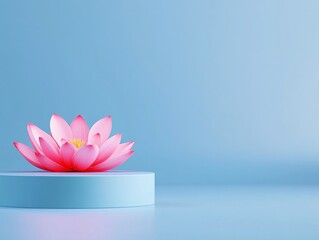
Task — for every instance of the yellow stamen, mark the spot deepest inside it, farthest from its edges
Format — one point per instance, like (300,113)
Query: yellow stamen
(77,142)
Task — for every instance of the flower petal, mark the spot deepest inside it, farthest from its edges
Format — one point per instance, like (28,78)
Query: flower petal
(84,157)
(28,154)
(112,162)
(124,147)
(108,148)
(50,165)
(35,133)
(60,129)
(80,128)
(95,140)
(49,151)
(67,151)
(103,127)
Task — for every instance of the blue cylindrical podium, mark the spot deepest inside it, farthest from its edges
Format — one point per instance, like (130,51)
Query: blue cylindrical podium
(76,190)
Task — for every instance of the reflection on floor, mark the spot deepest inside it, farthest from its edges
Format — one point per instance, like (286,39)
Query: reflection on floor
(43,224)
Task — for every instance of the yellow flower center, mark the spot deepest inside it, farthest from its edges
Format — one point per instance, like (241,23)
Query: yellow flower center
(77,142)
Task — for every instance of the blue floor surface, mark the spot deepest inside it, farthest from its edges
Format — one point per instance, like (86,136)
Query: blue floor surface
(181,212)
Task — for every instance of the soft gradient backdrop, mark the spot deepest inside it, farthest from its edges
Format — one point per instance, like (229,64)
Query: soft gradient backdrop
(211,91)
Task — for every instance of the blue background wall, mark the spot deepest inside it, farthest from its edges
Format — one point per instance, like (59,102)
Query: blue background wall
(211,91)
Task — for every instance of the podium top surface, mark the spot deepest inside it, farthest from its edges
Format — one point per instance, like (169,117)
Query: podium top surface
(72,174)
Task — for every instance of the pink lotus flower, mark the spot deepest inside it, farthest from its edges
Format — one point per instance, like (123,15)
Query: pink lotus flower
(75,147)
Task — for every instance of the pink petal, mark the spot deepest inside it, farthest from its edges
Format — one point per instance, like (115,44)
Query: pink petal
(103,127)
(49,151)
(128,145)
(35,133)
(95,140)
(28,154)
(84,157)
(67,151)
(112,162)
(108,148)
(60,129)
(80,128)
(50,165)
(124,147)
